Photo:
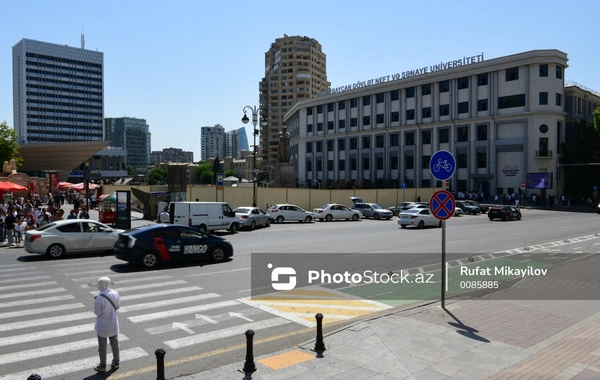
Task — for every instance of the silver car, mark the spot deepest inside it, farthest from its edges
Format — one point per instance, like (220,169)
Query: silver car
(251,217)
(71,236)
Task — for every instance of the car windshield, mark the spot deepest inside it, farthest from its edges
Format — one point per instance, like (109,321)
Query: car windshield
(241,210)
(412,211)
(376,206)
(324,207)
(45,227)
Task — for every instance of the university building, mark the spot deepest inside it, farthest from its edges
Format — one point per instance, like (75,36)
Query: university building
(503,120)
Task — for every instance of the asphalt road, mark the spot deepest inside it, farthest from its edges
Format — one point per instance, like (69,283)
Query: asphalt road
(199,313)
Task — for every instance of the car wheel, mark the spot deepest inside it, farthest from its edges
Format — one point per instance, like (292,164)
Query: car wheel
(252,225)
(421,224)
(518,217)
(505,218)
(376,216)
(403,225)
(149,260)
(234,227)
(355,217)
(217,254)
(308,219)
(329,218)
(279,219)
(491,219)
(268,223)
(202,228)
(55,251)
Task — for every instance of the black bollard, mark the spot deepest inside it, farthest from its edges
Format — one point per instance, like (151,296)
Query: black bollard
(160,364)
(34,376)
(249,366)
(319,344)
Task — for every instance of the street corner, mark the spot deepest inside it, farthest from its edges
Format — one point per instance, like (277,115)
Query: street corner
(301,305)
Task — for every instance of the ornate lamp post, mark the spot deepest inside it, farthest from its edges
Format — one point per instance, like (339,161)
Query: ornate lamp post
(263,123)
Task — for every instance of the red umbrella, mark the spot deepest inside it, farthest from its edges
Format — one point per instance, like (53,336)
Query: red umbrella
(64,185)
(81,186)
(9,186)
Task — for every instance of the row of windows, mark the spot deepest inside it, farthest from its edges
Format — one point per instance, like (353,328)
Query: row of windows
(63,60)
(64,104)
(62,111)
(462,135)
(63,84)
(58,118)
(70,97)
(409,163)
(426,89)
(44,74)
(96,73)
(444,110)
(58,89)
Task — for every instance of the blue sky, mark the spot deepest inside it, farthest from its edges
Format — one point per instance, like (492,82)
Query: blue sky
(182,65)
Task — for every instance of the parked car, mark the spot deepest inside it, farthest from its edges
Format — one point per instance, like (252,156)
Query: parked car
(482,208)
(71,236)
(458,211)
(336,211)
(504,213)
(419,217)
(250,217)
(156,244)
(373,210)
(468,208)
(397,209)
(288,212)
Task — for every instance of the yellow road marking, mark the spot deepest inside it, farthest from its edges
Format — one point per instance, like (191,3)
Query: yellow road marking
(313,310)
(284,300)
(286,359)
(318,293)
(205,355)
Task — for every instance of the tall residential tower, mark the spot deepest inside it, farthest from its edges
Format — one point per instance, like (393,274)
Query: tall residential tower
(134,135)
(58,93)
(295,69)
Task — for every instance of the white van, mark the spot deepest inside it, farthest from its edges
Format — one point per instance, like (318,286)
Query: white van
(206,216)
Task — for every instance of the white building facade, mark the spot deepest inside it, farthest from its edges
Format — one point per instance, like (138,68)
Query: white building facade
(503,120)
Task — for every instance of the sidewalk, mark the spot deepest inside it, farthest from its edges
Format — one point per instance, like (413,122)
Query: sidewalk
(486,338)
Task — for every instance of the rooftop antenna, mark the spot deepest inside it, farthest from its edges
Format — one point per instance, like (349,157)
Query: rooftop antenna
(82,39)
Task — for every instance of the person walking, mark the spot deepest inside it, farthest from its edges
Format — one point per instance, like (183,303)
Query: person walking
(10,227)
(164,216)
(106,304)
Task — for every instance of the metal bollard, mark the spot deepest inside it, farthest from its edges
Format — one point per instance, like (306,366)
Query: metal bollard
(319,344)
(34,376)
(160,364)
(249,366)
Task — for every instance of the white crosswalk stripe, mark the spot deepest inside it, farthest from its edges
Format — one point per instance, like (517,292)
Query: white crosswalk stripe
(44,330)
(72,366)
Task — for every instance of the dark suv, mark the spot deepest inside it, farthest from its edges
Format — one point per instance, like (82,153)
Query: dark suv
(504,213)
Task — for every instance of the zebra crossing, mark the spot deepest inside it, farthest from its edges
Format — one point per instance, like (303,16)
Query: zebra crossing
(47,323)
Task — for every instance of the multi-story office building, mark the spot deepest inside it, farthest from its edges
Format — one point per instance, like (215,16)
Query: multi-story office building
(232,144)
(171,155)
(580,103)
(58,93)
(212,142)
(503,120)
(295,69)
(133,135)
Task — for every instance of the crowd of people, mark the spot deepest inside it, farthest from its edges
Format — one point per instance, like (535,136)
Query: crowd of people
(20,215)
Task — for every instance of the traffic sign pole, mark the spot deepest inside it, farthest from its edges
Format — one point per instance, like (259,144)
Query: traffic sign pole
(444,274)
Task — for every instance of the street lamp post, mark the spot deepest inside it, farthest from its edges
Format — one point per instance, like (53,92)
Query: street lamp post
(263,123)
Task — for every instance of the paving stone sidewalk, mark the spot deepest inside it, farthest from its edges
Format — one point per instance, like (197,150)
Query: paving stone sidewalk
(494,337)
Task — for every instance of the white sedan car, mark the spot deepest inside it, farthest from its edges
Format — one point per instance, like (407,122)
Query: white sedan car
(71,236)
(288,212)
(336,211)
(419,217)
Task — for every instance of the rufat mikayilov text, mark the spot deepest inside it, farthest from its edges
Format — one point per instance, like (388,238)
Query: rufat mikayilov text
(504,270)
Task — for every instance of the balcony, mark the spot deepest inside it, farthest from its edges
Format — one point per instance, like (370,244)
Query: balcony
(543,154)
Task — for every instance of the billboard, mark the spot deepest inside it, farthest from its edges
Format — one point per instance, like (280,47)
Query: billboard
(539,180)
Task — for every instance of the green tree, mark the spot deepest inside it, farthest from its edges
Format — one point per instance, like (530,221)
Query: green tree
(204,173)
(157,175)
(9,148)
(130,170)
(229,173)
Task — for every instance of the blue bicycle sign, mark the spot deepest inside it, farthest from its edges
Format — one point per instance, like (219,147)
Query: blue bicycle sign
(444,165)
